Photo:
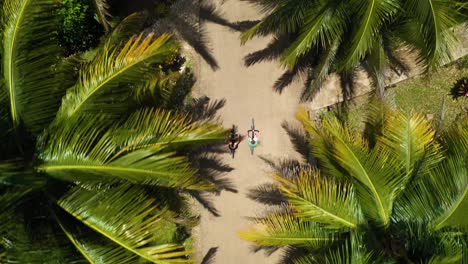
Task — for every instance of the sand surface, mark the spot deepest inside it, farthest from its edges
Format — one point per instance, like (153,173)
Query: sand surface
(249,94)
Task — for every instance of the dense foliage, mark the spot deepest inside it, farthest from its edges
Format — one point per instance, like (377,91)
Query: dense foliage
(78,29)
(318,37)
(397,194)
(94,166)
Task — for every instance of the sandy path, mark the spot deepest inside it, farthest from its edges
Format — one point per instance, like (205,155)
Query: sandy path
(248,94)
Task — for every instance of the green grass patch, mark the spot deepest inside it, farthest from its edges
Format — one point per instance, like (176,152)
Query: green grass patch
(422,94)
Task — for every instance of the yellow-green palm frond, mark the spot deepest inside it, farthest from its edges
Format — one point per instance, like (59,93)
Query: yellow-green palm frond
(440,197)
(320,141)
(29,52)
(411,139)
(278,230)
(323,200)
(106,83)
(130,218)
(342,153)
(140,150)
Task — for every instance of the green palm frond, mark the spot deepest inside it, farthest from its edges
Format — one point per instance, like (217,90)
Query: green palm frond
(153,128)
(451,250)
(440,197)
(29,52)
(350,252)
(434,20)
(102,10)
(127,216)
(373,171)
(372,15)
(286,18)
(324,28)
(34,231)
(323,68)
(140,150)
(377,112)
(105,83)
(280,230)
(93,247)
(453,175)
(323,200)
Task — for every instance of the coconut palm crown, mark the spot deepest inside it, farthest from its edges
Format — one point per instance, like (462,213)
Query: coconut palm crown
(89,171)
(397,194)
(324,36)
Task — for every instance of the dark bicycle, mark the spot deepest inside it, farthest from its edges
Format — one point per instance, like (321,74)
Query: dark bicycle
(233,140)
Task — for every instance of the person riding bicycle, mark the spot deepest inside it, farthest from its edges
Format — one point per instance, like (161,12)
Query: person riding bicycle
(253,138)
(233,139)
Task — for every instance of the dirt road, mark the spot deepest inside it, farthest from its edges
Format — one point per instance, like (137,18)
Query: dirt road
(249,94)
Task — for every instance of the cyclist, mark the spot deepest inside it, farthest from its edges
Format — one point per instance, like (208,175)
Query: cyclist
(233,139)
(254,138)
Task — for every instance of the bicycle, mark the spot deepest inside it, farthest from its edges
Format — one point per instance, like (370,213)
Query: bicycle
(233,140)
(252,137)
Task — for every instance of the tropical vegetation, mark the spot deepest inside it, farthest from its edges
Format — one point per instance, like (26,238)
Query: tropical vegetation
(396,194)
(320,37)
(94,160)
(78,30)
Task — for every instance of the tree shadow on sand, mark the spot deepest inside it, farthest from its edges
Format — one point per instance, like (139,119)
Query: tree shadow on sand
(304,69)
(183,18)
(209,256)
(206,158)
(270,195)
(188,26)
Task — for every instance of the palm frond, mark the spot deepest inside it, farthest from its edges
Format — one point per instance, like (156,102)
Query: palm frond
(376,64)
(140,150)
(280,230)
(286,18)
(433,21)
(349,252)
(322,70)
(103,13)
(125,29)
(320,143)
(451,250)
(105,83)
(377,112)
(411,140)
(453,175)
(375,13)
(369,169)
(29,52)
(33,230)
(439,197)
(130,218)
(323,200)
(93,247)
(324,27)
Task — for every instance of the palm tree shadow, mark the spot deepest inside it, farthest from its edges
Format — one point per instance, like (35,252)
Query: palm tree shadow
(184,23)
(209,256)
(210,167)
(209,12)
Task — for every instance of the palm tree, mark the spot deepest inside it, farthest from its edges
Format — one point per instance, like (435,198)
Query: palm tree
(90,171)
(397,194)
(326,36)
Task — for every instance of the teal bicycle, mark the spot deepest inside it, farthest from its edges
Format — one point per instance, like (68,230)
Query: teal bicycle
(252,135)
